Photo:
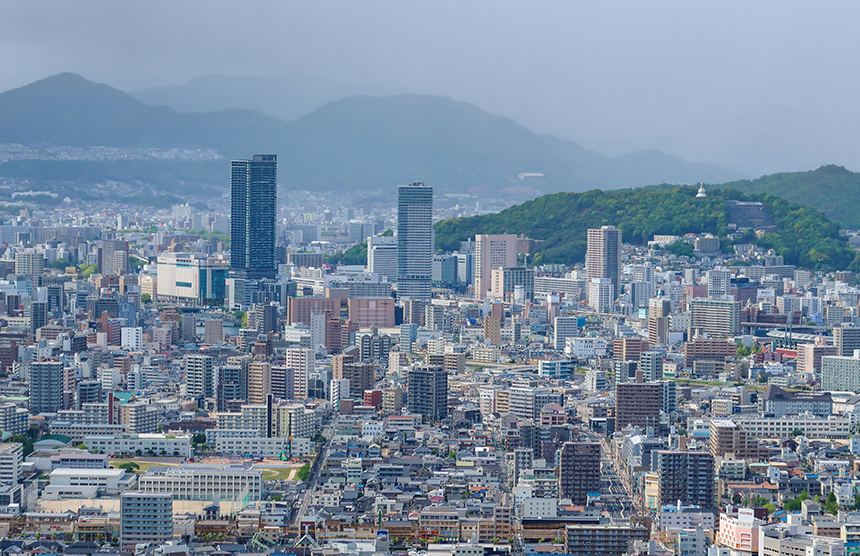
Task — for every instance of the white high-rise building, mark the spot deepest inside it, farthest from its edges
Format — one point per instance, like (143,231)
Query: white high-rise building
(382,255)
(301,362)
(199,376)
(601,293)
(603,255)
(492,252)
(415,241)
(132,338)
(719,283)
(338,390)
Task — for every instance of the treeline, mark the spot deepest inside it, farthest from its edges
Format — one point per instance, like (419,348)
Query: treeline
(805,237)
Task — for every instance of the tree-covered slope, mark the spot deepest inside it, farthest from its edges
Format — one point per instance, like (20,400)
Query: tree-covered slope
(831,189)
(805,236)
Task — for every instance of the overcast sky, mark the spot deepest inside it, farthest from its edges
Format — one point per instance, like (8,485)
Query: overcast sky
(757,86)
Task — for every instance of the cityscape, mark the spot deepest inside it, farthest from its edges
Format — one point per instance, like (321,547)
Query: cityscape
(288,314)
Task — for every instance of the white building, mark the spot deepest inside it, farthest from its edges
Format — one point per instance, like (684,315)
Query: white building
(178,445)
(201,482)
(812,427)
(675,517)
(262,446)
(191,276)
(601,293)
(338,390)
(132,338)
(382,255)
(540,508)
(586,348)
(87,483)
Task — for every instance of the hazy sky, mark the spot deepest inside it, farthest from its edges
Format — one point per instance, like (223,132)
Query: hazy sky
(757,86)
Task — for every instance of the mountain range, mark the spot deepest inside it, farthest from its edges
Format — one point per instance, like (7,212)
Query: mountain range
(359,142)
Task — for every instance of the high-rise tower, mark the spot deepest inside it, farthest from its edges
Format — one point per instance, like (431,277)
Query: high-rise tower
(253,200)
(415,241)
(603,255)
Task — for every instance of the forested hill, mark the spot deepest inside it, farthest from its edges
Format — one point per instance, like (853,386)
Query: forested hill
(805,237)
(831,189)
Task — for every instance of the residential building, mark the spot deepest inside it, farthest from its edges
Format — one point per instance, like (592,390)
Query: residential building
(427,392)
(46,386)
(717,318)
(685,477)
(492,252)
(603,256)
(579,471)
(145,518)
(637,403)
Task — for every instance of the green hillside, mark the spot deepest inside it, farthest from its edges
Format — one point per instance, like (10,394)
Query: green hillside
(831,189)
(805,236)
(359,142)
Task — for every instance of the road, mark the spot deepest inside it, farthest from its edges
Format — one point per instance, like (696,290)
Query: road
(617,495)
(300,510)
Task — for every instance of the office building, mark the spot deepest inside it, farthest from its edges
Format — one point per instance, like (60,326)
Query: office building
(687,477)
(382,256)
(579,471)
(415,241)
(506,281)
(603,255)
(46,386)
(145,518)
(492,252)
(428,392)
(192,277)
(253,200)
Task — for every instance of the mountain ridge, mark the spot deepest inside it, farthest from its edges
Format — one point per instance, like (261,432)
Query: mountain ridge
(360,142)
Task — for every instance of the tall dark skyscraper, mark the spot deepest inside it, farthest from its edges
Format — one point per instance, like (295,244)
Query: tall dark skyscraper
(253,202)
(415,241)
